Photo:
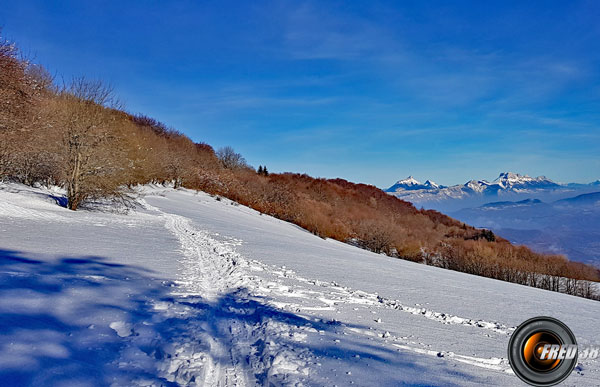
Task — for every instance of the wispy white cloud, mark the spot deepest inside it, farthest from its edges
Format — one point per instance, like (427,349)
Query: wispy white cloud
(441,73)
(313,33)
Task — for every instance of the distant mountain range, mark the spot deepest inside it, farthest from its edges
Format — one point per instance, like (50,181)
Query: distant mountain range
(510,186)
(590,199)
(535,211)
(568,226)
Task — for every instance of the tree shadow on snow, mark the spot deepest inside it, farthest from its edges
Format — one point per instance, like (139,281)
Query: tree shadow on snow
(87,321)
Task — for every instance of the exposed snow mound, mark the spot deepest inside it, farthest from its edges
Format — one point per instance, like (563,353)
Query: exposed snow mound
(122,329)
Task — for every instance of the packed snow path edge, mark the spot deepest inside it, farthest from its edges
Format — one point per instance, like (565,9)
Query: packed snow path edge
(212,271)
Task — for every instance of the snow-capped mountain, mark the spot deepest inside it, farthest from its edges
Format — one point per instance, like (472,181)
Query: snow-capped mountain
(507,186)
(412,184)
(514,181)
(432,184)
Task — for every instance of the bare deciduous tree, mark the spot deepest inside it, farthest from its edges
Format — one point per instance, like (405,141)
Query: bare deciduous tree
(16,98)
(91,146)
(374,236)
(92,92)
(231,159)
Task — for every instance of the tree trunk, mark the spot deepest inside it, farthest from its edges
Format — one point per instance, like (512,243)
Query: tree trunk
(73,194)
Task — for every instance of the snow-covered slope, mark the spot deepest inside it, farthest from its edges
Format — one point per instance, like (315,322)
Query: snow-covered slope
(507,186)
(194,290)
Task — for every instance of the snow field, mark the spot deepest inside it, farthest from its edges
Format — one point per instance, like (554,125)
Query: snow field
(190,290)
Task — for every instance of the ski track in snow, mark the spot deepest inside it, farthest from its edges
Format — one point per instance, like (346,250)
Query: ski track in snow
(212,268)
(209,270)
(233,351)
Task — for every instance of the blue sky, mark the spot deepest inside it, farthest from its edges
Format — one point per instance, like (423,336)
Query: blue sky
(367,91)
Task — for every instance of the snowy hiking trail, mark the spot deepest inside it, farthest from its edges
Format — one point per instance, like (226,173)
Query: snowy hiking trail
(245,300)
(208,271)
(211,268)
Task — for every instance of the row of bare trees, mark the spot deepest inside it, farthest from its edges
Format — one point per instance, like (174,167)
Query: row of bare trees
(517,264)
(76,135)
